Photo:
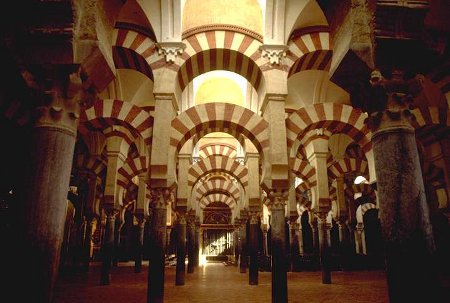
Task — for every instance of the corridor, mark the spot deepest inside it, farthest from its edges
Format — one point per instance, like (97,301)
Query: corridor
(216,282)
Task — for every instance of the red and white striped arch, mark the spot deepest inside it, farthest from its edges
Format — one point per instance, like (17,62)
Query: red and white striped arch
(220,50)
(217,197)
(108,112)
(218,164)
(219,117)
(218,149)
(362,209)
(141,44)
(431,115)
(92,164)
(337,118)
(434,175)
(441,78)
(309,49)
(131,168)
(218,185)
(300,198)
(304,170)
(341,167)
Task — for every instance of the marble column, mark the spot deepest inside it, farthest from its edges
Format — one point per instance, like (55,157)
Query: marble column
(181,250)
(343,243)
(157,249)
(404,213)
(198,244)
(139,242)
(293,241)
(108,245)
(87,245)
(253,248)
(324,251)
(243,264)
(117,229)
(278,244)
(191,243)
(52,148)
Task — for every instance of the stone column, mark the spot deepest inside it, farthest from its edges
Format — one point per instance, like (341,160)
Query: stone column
(191,243)
(360,244)
(244,249)
(181,249)
(236,243)
(343,243)
(293,241)
(52,148)
(87,245)
(157,249)
(278,243)
(323,228)
(198,244)
(301,249)
(253,248)
(117,149)
(141,214)
(139,242)
(117,229)
(264,230)
(108,245)
(404,213)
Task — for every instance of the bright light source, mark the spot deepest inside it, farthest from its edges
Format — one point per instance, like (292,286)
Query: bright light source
(202,260)
(298,181)
(360,179)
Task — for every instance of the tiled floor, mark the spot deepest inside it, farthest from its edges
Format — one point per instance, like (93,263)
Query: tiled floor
(216,282)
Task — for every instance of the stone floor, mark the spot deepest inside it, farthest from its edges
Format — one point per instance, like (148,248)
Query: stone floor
(217,282)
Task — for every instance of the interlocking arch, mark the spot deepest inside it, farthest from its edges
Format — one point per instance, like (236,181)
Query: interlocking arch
(108,112)
(218,164)
(338,118)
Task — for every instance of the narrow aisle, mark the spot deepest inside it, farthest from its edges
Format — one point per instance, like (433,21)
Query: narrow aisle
(218,283)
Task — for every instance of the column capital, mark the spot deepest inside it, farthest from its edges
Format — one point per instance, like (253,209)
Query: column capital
(278,199)
(160,197)
(392,100)
(59,105)
(274,52)
(254,216)
(170,50)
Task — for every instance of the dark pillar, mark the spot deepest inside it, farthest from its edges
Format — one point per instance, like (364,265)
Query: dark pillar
(344,244)
(191,243)
(108,246)
(181,250)
(87,245)
(52,148)
(278,244)
(324,251)
(236,244)
(155,290)
(253,248)
(116,253)
(293,241)
(243,242)
(139,243)
(198,243)
(404,213)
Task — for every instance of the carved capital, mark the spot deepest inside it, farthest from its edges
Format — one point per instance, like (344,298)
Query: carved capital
(160,197)
(392,98)
(59,107)
(278,199)
(254,217)
(110,213)
(274,53)
(170,50)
